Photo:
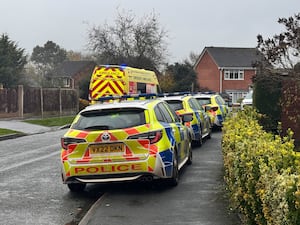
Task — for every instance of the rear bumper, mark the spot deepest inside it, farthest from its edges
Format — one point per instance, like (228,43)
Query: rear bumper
(114,172)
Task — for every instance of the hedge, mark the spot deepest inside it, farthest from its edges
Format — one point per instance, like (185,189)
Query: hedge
(261,171)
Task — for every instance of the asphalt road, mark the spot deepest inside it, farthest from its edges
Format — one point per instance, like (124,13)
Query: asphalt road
(199,199)
(31,190)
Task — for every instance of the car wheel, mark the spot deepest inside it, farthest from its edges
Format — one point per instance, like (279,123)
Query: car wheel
(190,156)
(76,187)
(200,141)
(210,131)
(173,181)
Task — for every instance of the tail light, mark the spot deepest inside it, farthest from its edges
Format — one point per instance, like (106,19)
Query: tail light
(214,108)
(65,141)
(153,136)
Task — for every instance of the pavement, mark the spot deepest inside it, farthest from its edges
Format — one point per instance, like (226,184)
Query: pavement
(23,127)
(202,204)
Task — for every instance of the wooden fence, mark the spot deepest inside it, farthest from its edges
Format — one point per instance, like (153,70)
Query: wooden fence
(290,113)
(24,102)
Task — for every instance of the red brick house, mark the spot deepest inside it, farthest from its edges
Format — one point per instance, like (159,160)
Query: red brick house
(229,70)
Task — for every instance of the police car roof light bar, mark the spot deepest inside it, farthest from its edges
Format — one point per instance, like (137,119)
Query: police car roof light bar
(125,97)
(167,94)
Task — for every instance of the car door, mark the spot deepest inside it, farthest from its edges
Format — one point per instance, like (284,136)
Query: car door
(178,132)
(203,115)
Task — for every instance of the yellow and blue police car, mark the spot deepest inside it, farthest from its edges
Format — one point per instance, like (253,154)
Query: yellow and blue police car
(184,104)
(215,106)
(125,141)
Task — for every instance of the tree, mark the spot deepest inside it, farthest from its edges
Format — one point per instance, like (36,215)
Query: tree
(48,57)
(167,82)
(182,77)
(138,44)
(77,56)
(283,49)
(12,62)
(193,57)
(281,57)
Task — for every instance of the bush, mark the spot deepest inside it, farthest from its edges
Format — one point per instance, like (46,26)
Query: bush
(83,103)
(261,171)
(266,100)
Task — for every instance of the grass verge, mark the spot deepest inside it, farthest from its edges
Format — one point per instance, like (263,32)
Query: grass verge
(52,122)
(4,131)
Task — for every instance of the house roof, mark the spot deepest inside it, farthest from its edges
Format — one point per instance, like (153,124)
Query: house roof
(232,57)
(71,68)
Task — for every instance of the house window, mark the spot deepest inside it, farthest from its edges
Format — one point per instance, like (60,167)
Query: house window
(233,74)
(66,82)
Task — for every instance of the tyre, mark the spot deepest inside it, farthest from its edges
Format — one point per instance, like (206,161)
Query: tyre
(210,132)
(190,155)
(76,187)
(173,181)
(200,141)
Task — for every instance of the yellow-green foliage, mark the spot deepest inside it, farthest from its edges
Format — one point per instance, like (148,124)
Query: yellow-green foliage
(261,171)
(83,103)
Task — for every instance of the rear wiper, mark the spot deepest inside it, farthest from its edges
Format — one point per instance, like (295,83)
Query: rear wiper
(98,127)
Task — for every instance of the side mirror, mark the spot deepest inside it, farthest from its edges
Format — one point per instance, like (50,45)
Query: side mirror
(211,108)
(186,118)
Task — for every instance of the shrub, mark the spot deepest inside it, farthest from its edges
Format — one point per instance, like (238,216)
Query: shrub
(261,171)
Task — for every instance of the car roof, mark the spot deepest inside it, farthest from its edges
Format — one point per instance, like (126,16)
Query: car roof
(204,95)
(179,97)
(122,104)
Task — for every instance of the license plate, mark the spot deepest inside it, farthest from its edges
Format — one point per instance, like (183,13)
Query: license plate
(107,148)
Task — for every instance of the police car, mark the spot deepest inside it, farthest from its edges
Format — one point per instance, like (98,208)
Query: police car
(184,104)
(125,141)
(215,106)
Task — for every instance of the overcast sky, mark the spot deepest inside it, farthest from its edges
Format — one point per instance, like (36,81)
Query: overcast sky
(191,24)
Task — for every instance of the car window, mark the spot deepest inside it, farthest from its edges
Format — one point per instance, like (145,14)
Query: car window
(173,113)
(110,119)
(159,115)
(163,113)
(175,104)
(220,100)
(204,101)
(194,104)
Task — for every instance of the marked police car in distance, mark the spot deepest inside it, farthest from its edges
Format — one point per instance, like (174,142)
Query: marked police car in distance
(184,104)
(215,106)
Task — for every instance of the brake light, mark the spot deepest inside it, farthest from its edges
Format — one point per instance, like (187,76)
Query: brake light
(153,136)
(214,108)
(65,141)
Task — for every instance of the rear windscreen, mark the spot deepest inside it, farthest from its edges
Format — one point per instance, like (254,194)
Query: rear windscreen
(175,104)
(204,101)
(110,119)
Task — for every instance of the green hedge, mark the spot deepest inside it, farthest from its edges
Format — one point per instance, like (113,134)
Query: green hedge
(266,99)
(261,171)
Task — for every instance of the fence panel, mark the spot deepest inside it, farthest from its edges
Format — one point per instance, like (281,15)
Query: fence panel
(290,114)
(51,99)
(8,102)
(31,101)
(69,100)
